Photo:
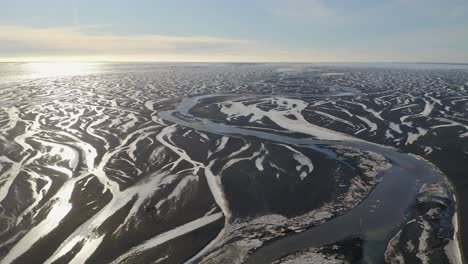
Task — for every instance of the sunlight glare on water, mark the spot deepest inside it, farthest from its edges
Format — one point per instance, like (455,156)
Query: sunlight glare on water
(56,69)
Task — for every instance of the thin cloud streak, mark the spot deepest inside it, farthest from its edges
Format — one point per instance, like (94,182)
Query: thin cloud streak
(72,39)
(20,43)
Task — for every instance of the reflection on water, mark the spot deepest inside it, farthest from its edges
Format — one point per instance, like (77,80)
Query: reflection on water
(52,69)
(13,72)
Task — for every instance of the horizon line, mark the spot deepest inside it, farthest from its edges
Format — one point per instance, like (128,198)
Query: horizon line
(248,62)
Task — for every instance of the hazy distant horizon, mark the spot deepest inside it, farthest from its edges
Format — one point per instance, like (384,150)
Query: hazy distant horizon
(253,62)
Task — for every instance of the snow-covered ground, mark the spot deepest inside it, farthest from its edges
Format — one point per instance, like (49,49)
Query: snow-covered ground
(90,170)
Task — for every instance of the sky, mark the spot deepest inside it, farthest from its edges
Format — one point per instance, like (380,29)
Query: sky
(235,30)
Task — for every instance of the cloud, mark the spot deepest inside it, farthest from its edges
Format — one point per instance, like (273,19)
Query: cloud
(20,43)
(72,40)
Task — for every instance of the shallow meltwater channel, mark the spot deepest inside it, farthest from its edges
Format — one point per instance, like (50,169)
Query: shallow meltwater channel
(375,220)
